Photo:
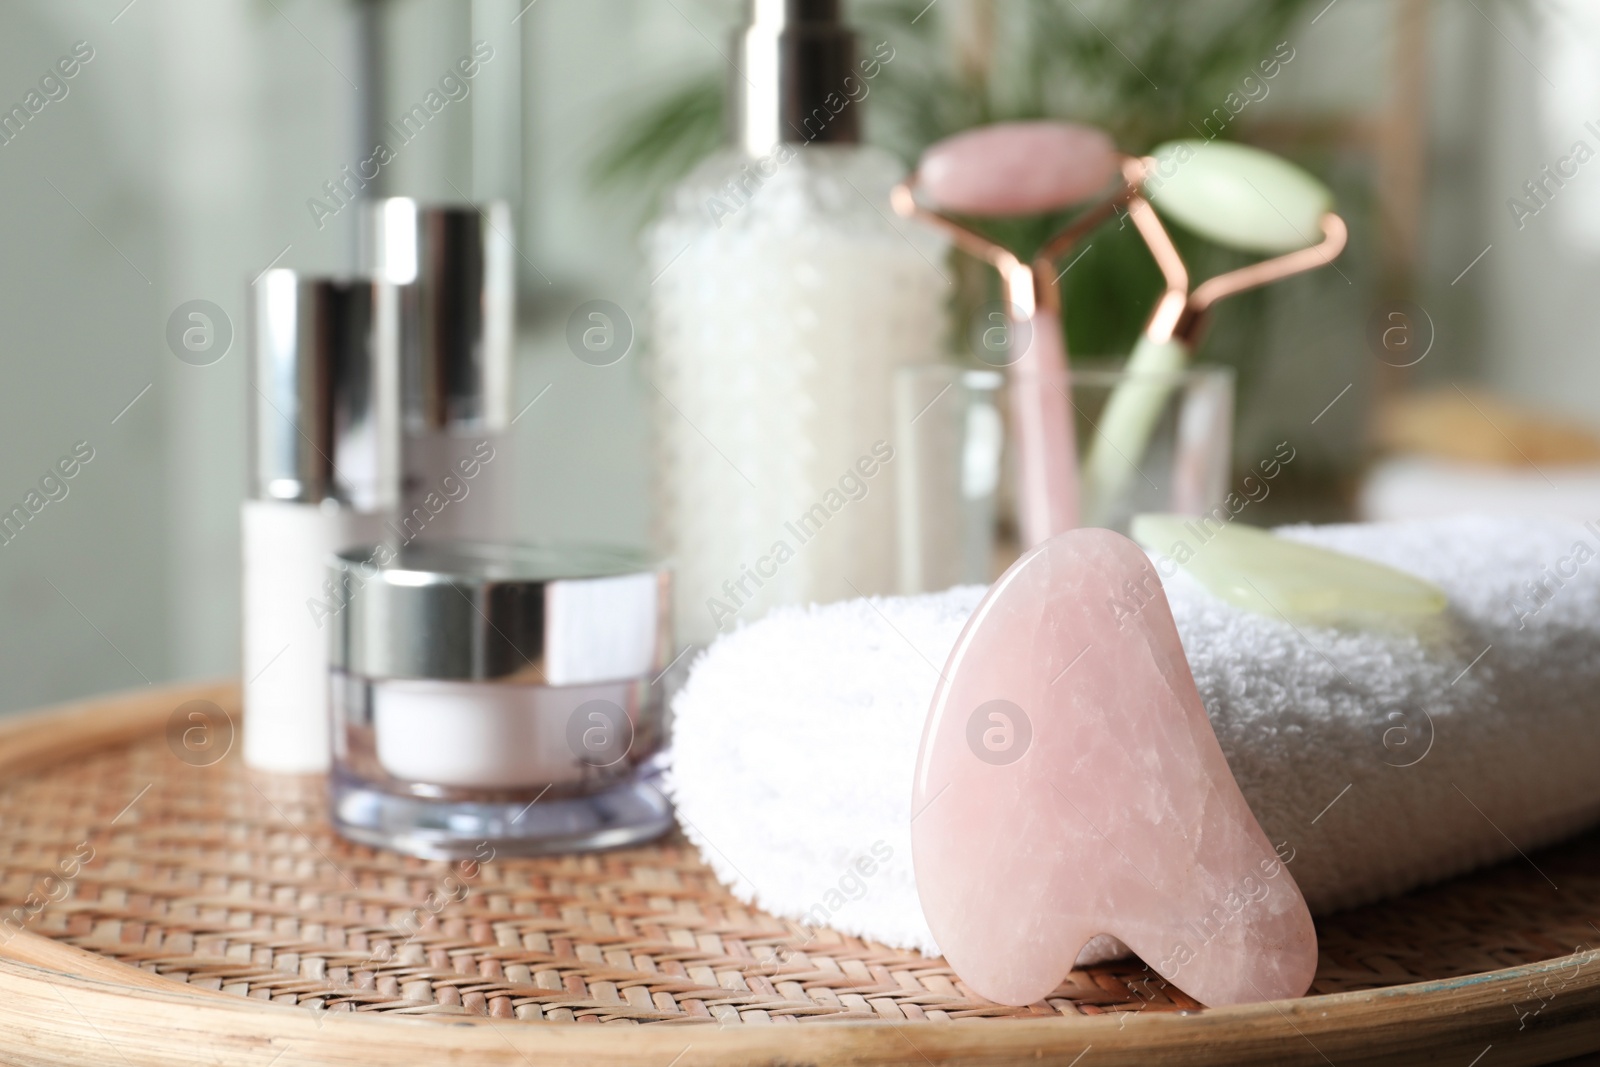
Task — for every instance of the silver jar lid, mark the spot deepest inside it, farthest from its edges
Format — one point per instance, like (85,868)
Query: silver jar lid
(454,265)
(555,615)
(324,402)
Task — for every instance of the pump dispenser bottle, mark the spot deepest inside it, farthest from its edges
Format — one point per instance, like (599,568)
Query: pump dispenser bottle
(785,298)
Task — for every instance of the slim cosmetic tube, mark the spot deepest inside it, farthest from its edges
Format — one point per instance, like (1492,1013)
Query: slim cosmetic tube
(324,401)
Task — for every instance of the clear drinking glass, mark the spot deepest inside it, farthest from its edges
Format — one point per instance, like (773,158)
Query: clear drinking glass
(949,436)
(956,521)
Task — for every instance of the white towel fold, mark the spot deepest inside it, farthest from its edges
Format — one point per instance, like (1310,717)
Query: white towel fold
(1379,761)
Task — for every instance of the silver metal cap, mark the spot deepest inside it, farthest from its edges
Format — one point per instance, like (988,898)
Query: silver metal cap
(454,265)
(324,372)
(789,58)
(498,612)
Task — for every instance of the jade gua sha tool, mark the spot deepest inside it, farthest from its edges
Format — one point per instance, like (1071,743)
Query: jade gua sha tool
(1238,197)
(1271,575)
(1025,168)
(1069,784)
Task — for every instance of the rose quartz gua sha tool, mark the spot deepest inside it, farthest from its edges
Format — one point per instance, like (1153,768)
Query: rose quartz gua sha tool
(1025,168)
(1069,784)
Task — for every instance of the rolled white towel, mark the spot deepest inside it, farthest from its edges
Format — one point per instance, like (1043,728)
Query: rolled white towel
(1377,761)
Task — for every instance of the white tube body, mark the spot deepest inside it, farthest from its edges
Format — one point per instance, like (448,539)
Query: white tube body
(287,622)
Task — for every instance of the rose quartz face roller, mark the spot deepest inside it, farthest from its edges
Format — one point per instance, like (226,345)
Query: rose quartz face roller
(1069,784)
(1025,168)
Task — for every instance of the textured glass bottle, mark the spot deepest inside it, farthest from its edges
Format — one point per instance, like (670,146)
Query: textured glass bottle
(786,297)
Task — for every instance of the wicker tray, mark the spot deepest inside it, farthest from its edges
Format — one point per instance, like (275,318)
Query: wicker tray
(203,914)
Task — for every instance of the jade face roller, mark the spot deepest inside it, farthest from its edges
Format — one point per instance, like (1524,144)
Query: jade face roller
(1025,168)
(1239,197)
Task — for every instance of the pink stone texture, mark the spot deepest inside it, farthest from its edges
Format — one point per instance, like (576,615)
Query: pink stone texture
(1069,784)
(1041,420)
(1017,168)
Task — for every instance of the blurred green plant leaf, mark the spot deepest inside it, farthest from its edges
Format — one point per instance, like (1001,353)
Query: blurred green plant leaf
(658,144)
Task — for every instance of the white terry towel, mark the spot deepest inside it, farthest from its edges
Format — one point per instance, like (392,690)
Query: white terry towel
(1378,761)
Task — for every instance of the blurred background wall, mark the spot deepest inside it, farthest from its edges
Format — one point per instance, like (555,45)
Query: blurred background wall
(180,162)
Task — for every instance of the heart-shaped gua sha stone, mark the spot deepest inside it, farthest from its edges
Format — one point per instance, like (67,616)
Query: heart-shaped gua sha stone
(1069,784)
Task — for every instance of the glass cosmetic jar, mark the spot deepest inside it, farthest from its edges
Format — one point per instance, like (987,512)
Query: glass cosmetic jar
(955,525)
(499,694)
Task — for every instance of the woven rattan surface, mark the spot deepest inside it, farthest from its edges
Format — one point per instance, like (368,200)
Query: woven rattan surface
(235,882)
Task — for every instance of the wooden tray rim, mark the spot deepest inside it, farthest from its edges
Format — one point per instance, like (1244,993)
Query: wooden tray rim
(50,992)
